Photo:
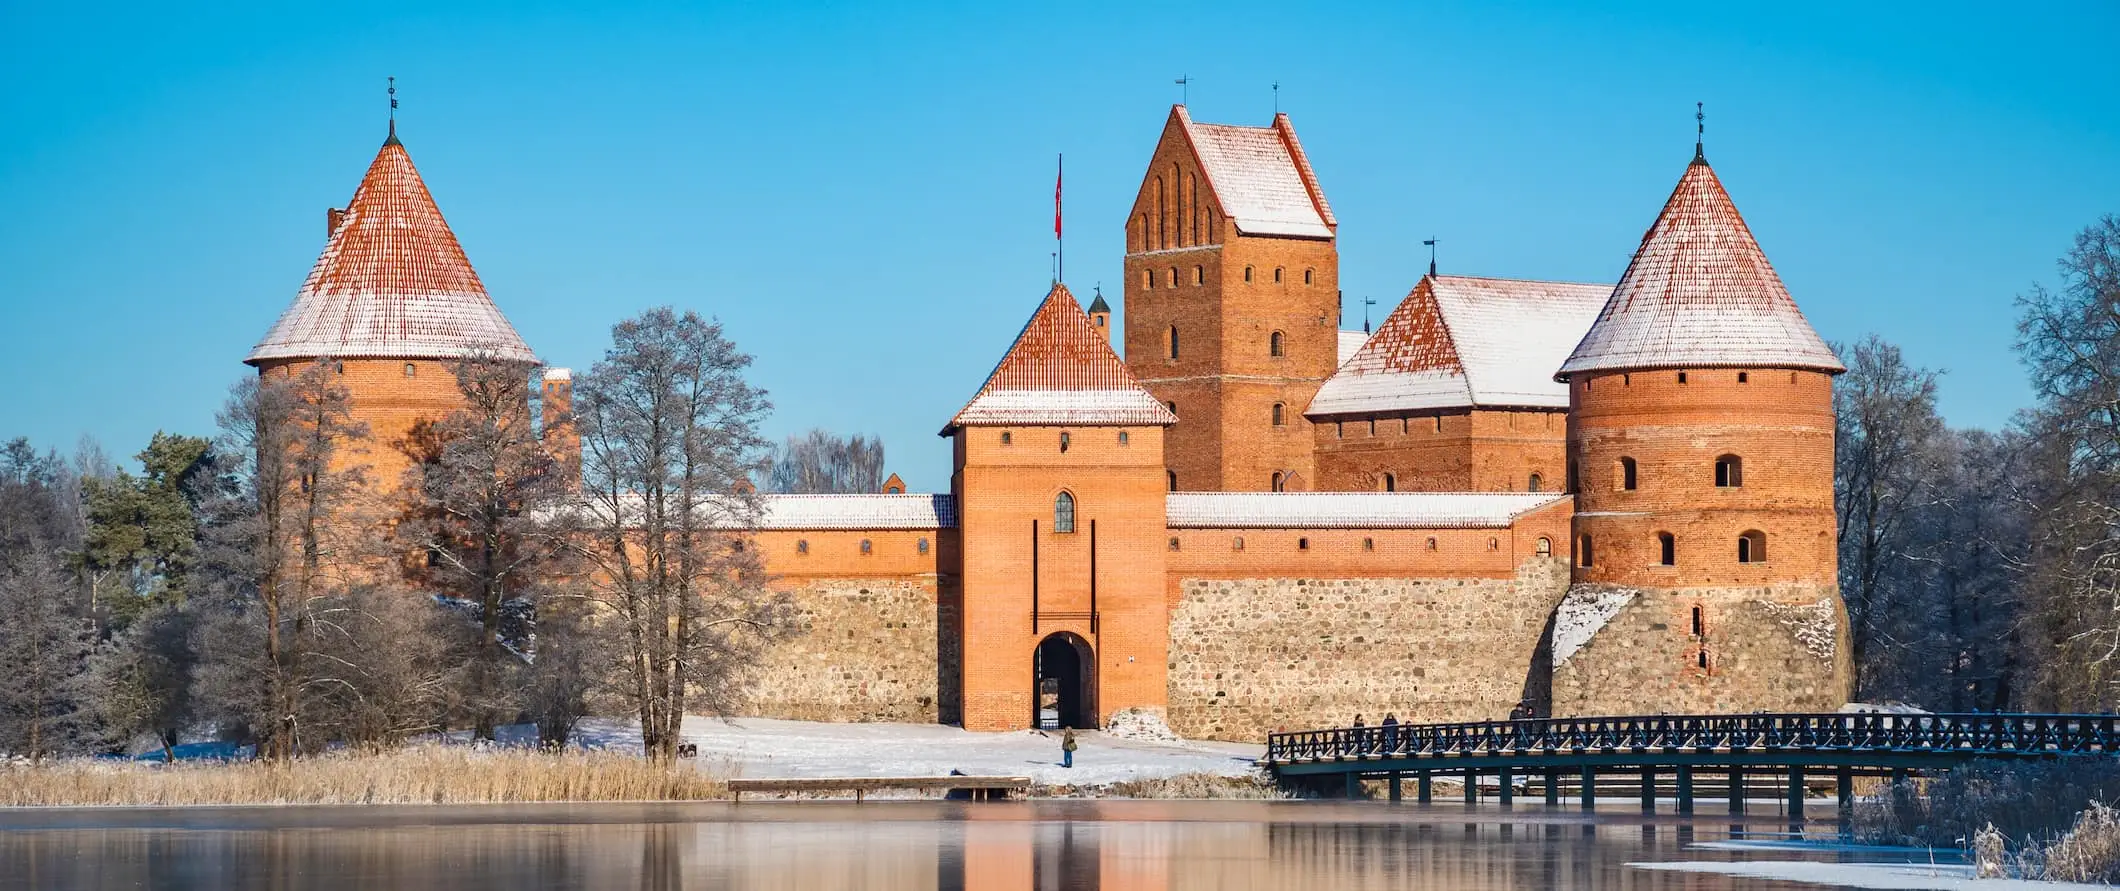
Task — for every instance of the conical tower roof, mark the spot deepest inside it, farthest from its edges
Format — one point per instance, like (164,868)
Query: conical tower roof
(1700,293)
(392,282)
(1061,371)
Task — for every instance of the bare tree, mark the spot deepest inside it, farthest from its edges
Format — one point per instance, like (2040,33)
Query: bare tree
(2070,340)
(485,487)
(822,462)
(44,647)
(1889,454)
(670,442)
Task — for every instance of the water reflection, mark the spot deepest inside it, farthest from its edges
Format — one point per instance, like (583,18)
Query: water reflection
(901,846)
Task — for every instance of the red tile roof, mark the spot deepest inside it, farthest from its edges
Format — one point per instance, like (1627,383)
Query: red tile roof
(1700,293)
(392,281)
(1061,370)
(1260,177)
(1460,341)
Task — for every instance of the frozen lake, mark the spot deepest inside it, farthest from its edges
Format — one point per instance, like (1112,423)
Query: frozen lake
(908,845)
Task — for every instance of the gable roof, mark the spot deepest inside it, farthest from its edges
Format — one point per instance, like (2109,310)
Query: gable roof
(392,281)
(1259,176)
(1459,341)
(1700,293)
(1061,370)
(859,511)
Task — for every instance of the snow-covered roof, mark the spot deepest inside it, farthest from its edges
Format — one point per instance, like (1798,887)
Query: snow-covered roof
(858,512)
(1700,293)
(1351,510)
(1459,341)
(1351,343)
(1260,178)
(1061,370)
(392,281)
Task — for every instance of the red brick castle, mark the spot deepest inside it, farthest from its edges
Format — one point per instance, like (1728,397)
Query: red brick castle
(1600,499)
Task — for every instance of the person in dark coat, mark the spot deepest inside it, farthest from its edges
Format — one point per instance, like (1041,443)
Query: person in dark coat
(1391,732)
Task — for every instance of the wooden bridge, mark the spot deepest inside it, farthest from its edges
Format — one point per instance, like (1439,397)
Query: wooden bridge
(1738,748)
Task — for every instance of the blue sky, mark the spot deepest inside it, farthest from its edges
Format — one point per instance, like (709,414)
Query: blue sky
(863,195)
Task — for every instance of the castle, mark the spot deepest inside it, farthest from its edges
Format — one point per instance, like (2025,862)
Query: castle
(1595,499)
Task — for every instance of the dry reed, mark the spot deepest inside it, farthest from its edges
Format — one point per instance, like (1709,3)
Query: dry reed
(420,775)
(1196,786)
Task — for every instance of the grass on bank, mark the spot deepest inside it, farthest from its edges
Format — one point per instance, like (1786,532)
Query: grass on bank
(2036,821)
(418,775)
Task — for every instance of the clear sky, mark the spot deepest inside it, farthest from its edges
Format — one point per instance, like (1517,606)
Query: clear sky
(864,196)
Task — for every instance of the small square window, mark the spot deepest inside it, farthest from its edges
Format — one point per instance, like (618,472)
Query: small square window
(1174,543)
(1122,437)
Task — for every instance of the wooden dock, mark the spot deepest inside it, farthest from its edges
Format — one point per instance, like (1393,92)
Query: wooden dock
(979,788)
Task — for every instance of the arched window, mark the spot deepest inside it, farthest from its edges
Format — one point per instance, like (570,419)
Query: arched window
(1627,480)
(1538,483)
(866,547)
(1752,547)
(1273,345)
(1148,278)
(1666,549)
(1199,275)
(1277,409)
(1247,273)
(802,546)
(1065,440)
(1063,512)
(1173,542)
(1307,277)
(1278,481)
(1302,544)
(1681,377)
(1431,544)
(1729,472)
(1173,406)
(1369,544)
(1122,437)
(411,369)
(1174,341)
(1391,482)
(1742,378)
(923,546)
(1545,546)
(1173,475)
(1700,625)
(1583,553)
(1237,544)
(1007,437)
(1277,275)
(1174,276)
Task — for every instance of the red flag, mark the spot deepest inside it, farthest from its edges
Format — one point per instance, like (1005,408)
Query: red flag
(1059,169)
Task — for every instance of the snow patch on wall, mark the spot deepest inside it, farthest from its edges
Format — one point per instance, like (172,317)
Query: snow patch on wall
(1814,624)
(1582,613)
(1140,723)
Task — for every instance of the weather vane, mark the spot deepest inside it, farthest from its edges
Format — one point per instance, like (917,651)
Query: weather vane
(1430,242)
(1700,130)
(1184,89)
(393,100)
(1367,302)
(1276,97)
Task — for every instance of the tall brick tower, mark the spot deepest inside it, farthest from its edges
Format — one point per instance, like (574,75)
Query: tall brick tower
(1232,301)
(1701,452)
(1060,490)
(390,301)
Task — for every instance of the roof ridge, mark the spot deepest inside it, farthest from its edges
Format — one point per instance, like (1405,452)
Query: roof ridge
(1061,370)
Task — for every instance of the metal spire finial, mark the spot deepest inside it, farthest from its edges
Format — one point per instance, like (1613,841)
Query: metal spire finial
(1700,132)
(1367,302)
(1276,98)
(1430,242)
(393,140)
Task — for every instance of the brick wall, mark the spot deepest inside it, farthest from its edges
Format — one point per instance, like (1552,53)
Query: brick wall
(389,395)
(1482,450)
(1227,294)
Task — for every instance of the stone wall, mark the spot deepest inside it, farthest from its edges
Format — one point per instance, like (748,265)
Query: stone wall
(1250,656)
(1779,649)
(866,650)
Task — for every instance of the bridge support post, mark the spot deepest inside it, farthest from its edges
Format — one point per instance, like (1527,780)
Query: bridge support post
(1396,793)
(1685,790)
(1424,786)
(1737,790)
(1472,787)
(1354,785)
(1844,784)
(1589,790)
(1796,796)
(1553,787)
(1508,787)
(1648,790)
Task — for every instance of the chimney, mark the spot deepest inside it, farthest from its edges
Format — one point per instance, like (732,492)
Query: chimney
(333,216)
(556,423)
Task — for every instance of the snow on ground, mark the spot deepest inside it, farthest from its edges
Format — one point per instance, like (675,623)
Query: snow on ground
(765,747)
(1890,876)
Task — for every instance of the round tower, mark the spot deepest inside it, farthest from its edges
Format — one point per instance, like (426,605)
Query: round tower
(1700,448)
(390,303)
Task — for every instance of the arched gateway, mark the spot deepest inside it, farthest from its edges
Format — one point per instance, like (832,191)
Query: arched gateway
(1063,672)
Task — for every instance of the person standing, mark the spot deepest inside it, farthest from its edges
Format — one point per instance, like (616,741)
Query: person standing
(1391,732)
(1067,748)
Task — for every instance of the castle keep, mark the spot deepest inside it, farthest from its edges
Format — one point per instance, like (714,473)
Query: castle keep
(1595,498)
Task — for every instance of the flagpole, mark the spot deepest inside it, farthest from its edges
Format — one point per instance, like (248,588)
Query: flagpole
(1059,241)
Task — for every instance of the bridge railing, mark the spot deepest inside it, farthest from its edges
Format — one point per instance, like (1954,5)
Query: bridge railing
(2010,734)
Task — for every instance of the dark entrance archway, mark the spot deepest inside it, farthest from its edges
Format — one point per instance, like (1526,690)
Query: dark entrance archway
(1062,683)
